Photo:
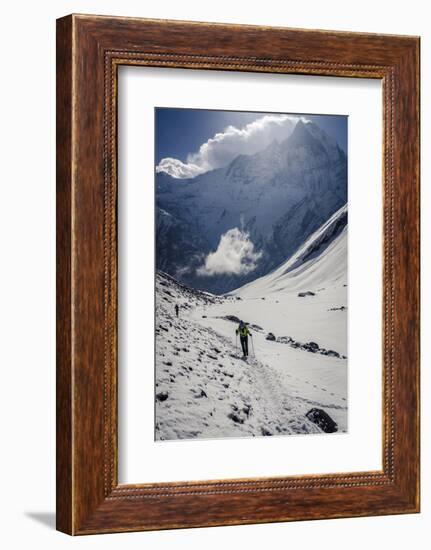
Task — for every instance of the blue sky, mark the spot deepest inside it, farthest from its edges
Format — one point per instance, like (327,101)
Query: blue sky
(180,132)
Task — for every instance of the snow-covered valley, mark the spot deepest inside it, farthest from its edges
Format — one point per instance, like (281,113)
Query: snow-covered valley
(204,389)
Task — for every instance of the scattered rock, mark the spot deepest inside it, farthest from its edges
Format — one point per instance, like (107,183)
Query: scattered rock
(236,418)
(247,409)
(311,347)
(232,318)
(331,353)
(322,419)
(270,336)
(162,396)
(265,431)
(284,340)
(307,293)
(200,394)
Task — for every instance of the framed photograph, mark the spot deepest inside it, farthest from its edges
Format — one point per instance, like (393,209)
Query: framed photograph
(237,274)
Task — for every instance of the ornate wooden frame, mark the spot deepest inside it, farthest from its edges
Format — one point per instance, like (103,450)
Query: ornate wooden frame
(89,51)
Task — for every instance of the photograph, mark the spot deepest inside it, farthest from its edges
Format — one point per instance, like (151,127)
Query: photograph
(251,282)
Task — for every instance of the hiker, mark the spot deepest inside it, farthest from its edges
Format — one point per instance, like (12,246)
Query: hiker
(177,308)
(244,333)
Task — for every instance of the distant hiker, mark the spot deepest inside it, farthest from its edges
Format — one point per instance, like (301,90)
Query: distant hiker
(177,309)
(244,333)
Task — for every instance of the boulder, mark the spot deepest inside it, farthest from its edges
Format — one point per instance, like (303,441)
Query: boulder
(313,345)
(162,396)
(236,418)
(284,339)
(322,419)
(307,293)
(270,336)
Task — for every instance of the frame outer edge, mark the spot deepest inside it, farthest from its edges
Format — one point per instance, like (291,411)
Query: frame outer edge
(64,367)
(81,508)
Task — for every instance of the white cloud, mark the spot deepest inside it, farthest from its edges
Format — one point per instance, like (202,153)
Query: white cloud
(178,169)
(235,255)
(223,147)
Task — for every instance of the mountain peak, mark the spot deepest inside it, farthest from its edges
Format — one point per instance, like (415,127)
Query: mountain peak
(300,133)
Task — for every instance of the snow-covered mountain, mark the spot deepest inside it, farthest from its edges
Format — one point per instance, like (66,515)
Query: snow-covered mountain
(321,260)
(278,197)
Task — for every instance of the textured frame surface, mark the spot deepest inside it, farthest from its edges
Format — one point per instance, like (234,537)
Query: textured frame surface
(89,51)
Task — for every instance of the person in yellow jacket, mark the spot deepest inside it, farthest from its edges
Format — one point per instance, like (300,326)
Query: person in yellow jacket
(244,333)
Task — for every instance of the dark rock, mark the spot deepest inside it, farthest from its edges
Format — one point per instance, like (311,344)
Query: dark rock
(162,396)
(270,336)
(306,347)
(232,318)
(265,431)
(246,409)
(201,394)
(236,418)
(313,345)
(284,339)
(322,419)
(307,293)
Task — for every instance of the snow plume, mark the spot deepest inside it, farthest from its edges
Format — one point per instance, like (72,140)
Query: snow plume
(235,255)
(223,147)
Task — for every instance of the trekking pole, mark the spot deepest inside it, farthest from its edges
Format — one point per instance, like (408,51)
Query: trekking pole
(236,342)
(252,347)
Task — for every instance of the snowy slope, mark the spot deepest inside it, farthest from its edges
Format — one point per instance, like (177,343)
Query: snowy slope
(321,260)
(203,388)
